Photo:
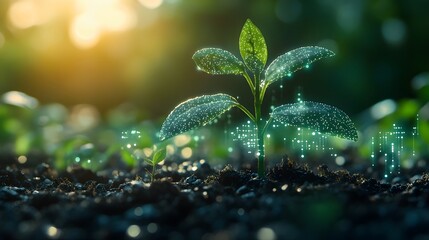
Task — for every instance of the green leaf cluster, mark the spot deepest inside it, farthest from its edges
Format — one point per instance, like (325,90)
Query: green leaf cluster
(198,111)
(158,156)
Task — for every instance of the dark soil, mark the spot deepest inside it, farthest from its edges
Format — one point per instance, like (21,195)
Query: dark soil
(194,201)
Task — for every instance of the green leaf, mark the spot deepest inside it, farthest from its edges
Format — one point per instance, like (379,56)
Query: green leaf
(149,161)
(318,116)
(295,60)
(217,61)
(158,156)
(253,48)
(195,112)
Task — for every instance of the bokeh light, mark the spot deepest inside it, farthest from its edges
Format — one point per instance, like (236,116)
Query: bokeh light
(151,4)
(23,14)
(110,52)
(98,16)
(2,40)
(19,99)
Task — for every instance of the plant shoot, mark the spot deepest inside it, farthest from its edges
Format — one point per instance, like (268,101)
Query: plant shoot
(199,111)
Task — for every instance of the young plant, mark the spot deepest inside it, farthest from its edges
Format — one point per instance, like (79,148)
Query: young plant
(157,157)
(201,110)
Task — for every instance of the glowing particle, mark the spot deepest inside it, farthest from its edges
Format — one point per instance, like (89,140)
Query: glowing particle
(19,99)
(85,31)
(181,140)
(151,4)
(22,159)
(53,232)
(138,211)
(133,231)
(340,160)
(240,211)
(152,227)
(266,233)
(23,14)
(186,152)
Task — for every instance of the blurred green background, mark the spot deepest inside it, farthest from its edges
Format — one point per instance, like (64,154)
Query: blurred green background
(77,77)
(107,52)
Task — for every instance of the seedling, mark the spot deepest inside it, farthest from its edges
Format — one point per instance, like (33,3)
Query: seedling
(201,110)
(157,157)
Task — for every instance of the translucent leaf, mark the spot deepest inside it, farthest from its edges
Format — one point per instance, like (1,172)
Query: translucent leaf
(295,60)
(158,156)
(316,116)
(217,61)
(253,48)
(194,113)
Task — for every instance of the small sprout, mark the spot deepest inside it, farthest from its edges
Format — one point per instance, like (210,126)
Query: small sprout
(202,110)
(157,157)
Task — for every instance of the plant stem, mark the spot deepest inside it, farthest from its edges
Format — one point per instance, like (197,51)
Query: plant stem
(249,81)
(259,127)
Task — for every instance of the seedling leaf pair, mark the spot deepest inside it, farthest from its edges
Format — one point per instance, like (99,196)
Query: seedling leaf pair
(201,110)
(157,157)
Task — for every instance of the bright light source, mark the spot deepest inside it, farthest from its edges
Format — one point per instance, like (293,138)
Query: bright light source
(151,4)
(133,231)
(383,108)
(98,16)
(85,31)
(19,99)
(23,14)
(186,152)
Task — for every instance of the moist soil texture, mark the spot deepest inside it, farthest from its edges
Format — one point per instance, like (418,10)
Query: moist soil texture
(193,200)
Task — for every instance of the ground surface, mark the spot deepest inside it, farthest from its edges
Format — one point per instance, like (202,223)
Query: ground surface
(195,201)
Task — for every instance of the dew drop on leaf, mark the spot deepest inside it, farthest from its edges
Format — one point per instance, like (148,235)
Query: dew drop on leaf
(194,113)
(253,48)
(295,60)
(317,116)
(217,61)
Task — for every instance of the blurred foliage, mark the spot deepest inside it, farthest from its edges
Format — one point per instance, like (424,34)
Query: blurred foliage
(97,76)
(75,51)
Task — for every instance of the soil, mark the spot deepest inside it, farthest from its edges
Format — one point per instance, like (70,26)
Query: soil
(193,200)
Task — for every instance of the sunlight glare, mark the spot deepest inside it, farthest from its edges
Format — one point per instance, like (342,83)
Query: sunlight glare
(23,14)
(99,16)
(151,4)
(84,31)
